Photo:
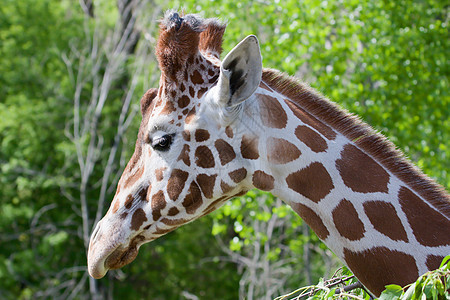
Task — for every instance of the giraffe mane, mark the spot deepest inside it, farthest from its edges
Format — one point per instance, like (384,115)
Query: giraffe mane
(362,135)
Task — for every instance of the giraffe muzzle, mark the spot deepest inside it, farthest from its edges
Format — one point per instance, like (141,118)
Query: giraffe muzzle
(110,249)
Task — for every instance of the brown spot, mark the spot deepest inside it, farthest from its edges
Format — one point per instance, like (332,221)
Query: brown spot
(176,183)
(225,187)
(143,193)
(190,116)
(184,155)
(191,92)
(434,261)
(196,77)
(249,147)
(158,203)
(204,157)
(138,219)
(173,211)
(183,101)
(129,201)
(182,87)
(206,183)
(213,79)
(211,72)
(430,227)
(185,111)
(280,151)
(159,173)
(263,181)
(360,172)
(312,219)
(379,266)
(271,112)
(226,152)
(193,199)
(201,135)
(384,218)
(229,132)
(164,231)
(172,222)
(313,182)
(133,178)
(123,215)
(309,119)
(186,135)
(168,108)
(238,175)
(311,139)
(347,221)
(201,92)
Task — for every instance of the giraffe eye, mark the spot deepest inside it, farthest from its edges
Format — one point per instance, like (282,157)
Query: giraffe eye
(162,143)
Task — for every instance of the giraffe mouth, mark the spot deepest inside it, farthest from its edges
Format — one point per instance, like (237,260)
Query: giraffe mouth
(124,255)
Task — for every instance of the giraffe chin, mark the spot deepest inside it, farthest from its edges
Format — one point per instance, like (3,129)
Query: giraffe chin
(123,256)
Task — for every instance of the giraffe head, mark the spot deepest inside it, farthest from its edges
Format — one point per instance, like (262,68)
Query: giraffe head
(186,161)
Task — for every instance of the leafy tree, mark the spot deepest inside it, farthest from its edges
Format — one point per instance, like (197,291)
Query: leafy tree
(383,60)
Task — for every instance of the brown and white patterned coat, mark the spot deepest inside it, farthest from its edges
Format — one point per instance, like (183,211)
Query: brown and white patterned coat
(214,130)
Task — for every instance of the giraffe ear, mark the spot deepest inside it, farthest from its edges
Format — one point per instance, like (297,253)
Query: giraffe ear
(240,72)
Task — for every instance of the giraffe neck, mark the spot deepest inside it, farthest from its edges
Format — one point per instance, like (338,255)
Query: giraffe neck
(381,225)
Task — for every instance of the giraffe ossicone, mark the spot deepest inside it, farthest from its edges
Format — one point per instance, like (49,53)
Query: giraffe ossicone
(214,130)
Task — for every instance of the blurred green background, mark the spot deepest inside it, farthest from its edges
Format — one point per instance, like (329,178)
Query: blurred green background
(71,76)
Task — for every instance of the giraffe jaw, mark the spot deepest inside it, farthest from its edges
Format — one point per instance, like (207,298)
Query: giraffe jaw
(122,256)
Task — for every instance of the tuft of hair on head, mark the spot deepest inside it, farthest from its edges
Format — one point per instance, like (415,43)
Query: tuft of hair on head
(211,38)
(184,36)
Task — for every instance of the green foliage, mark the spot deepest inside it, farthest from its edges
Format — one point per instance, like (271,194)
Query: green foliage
(385,61)
(329,289)
(431,285)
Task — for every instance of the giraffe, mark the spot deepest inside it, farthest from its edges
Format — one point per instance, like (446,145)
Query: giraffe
(215,129)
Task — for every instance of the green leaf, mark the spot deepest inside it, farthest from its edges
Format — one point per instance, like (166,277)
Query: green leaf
(391,292)
(330,293)
(445,264)
(427,289)
(409,292)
